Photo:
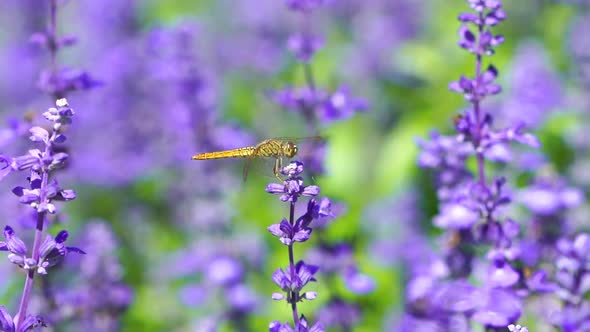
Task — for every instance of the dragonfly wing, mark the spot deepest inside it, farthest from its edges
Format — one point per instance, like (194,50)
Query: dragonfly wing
(300,139)
(246,167)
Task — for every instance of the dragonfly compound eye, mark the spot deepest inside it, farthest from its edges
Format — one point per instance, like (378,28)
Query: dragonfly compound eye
(291,150)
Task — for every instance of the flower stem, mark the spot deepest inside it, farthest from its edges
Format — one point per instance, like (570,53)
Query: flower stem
(294,295)
(52,29)
(477,110)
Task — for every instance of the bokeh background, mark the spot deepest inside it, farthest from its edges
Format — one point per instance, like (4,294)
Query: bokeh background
(181,245)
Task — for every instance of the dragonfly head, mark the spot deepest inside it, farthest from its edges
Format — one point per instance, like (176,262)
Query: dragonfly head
(290,149)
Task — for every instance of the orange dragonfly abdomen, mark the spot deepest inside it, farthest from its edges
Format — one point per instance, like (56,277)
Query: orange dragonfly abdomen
(234,153)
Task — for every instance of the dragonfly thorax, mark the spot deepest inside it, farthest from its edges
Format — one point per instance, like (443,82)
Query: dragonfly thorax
(290,149)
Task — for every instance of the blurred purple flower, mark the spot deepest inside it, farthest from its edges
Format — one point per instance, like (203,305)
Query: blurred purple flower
(535,87)
(550,197)
(97,295)
(341,105)
(303,5)
(304,46)
(339,314)
(337,260)
(497,308)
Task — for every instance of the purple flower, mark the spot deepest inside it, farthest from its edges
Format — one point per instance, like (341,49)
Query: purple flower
(501,274)
(340,314)
(535,87)
(337,260)
(293,279)
(224,271)
(497,308)
(7,323)
(49,192)
(303,5)
(341,105)
(66,81)
(485,45)
(517,328)
(292,188)
(447,156)
(477,89)
(302,326)
(550,197)
(288,233)
(297,99)
(16,247)
(51,252)
(304,46)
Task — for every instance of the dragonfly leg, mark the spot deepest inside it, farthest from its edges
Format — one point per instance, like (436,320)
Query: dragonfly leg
(277,169)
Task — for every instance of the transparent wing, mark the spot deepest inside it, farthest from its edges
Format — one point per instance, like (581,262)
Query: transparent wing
(299,139)
(246,167)
(260,166)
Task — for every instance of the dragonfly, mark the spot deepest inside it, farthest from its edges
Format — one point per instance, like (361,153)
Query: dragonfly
(272,148)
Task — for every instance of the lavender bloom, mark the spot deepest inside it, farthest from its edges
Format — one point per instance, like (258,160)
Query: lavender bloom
(471,209)
(289,231)
(42,192)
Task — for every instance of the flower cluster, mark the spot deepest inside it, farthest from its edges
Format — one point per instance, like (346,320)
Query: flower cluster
(59,82)
(296,276)
(472,210)
(96,295)
(44,190)
(41,162)
(51,252)
(311,101)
